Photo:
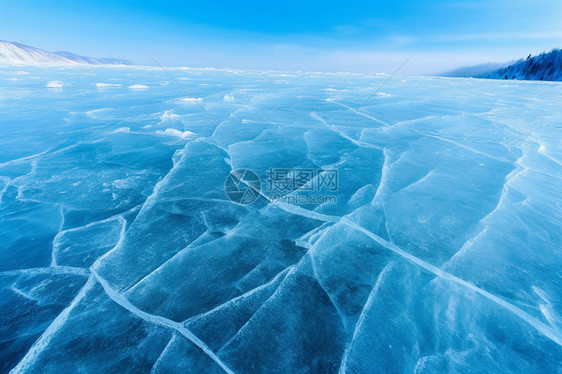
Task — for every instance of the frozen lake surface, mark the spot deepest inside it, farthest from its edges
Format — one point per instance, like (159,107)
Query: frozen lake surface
(427,235)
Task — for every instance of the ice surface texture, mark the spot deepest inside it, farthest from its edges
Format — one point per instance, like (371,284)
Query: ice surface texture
(120,251)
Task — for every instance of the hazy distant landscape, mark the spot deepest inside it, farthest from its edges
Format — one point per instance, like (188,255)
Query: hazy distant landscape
(544,67)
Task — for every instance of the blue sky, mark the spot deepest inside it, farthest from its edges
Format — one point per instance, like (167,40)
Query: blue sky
(361,36)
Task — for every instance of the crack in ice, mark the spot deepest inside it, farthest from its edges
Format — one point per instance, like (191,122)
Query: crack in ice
(364,311)
(159,320)
(547,331)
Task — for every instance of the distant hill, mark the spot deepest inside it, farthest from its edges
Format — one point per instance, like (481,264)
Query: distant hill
(12,53)
(544,67)
(471,71)
(93,61)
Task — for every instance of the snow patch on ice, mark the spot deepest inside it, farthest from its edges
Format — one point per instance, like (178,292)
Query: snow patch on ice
(92,113)
(124,183)
(176,133)
(169,115)
(55,84)
(138,87)
(124,130)
(191,100)
(108,85)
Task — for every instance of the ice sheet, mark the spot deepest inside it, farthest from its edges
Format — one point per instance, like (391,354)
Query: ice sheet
(441,251)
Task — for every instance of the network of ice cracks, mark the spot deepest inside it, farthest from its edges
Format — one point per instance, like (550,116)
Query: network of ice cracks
(120,251)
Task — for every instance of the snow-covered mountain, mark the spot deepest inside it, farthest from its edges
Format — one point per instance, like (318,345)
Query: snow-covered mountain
(12,53)
(544,67)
